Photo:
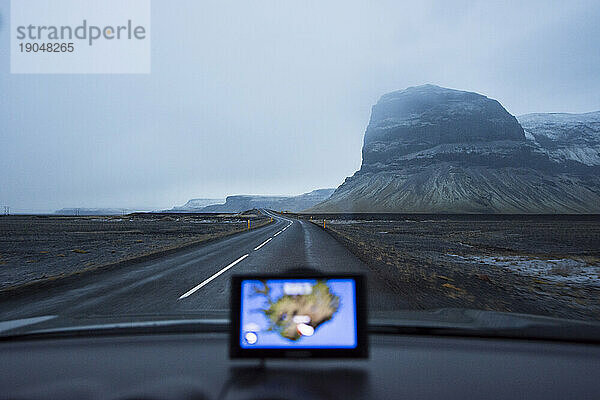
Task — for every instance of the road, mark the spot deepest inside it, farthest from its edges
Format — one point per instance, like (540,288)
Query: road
(197,280)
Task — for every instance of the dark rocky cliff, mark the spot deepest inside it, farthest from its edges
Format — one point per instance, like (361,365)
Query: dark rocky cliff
(434,150)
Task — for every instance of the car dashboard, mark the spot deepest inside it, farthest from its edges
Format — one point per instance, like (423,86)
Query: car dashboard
(197,366)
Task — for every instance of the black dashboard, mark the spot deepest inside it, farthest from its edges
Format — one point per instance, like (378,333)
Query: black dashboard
(197,366)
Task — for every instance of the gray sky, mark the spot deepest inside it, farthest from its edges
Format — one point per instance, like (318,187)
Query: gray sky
(274,97)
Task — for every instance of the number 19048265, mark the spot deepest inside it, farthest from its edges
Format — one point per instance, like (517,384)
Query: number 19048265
(46,47)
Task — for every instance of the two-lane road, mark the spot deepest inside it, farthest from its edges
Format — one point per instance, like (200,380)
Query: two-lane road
(197,280)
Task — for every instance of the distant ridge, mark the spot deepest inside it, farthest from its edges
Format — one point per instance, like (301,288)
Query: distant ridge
(195,205)
(93,211)
(239,203)
(279,203)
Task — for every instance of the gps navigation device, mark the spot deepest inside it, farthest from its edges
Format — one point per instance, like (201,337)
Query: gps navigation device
(298,316)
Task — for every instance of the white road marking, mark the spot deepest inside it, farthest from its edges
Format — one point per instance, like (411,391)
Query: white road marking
(290,222)
(189,292)
(281,231)
(263,243)
(278,216)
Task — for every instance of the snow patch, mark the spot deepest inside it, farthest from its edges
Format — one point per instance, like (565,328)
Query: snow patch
(563,270)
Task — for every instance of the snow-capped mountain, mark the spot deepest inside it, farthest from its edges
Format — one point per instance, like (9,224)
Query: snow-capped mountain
(436,150)
(565,137)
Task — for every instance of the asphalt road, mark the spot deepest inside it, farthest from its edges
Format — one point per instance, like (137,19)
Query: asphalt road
(197,280)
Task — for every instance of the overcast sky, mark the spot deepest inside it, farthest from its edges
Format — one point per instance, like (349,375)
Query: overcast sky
(256,97)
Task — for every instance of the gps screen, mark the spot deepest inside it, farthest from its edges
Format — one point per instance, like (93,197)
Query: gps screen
(298,313)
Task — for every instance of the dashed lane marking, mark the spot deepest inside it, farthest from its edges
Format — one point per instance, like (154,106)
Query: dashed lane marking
(192,290)
(263,243)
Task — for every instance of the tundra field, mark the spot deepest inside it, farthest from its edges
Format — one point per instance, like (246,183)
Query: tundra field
(34,248)
(538,264)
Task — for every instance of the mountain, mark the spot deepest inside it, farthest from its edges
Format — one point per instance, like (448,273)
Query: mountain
(564,137)
(280,203)
(240,203)
(429,149)
(194,205)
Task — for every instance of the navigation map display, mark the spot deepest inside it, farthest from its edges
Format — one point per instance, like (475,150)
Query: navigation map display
(298,313)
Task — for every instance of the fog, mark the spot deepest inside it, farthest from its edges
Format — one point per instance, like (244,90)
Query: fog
(273,97)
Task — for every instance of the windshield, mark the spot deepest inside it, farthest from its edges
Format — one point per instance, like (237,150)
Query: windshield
(150,151)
